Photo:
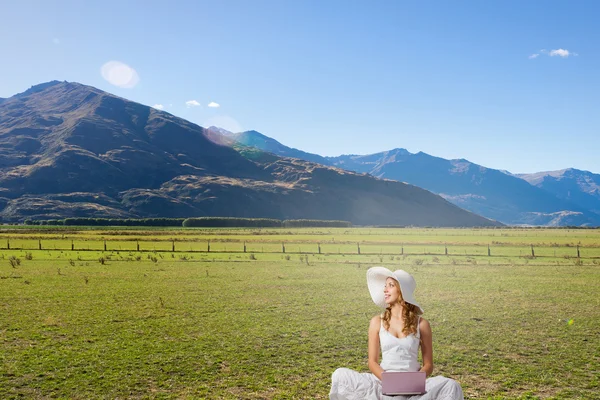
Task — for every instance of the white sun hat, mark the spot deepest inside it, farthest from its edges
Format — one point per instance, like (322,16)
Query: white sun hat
(376,278)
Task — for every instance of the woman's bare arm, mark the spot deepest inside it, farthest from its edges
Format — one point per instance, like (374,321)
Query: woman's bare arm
(426,346)
(374,346)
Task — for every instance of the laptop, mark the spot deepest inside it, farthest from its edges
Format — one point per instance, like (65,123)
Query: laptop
(403,383)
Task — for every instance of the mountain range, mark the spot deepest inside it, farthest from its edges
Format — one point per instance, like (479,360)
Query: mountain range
(557,198)
(71,150)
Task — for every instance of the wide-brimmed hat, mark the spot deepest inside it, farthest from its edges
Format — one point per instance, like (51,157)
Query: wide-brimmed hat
(376,278)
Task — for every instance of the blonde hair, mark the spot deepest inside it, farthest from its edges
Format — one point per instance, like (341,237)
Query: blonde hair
(410,315)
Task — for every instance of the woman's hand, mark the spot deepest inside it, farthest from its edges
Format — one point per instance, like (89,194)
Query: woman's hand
(374,327)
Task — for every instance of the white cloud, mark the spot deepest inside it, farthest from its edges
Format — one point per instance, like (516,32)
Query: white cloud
(560,52)
(212,104)
(192,103)
(563,53)
(120,74)
(158,106)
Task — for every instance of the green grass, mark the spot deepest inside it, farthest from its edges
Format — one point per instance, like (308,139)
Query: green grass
(225,325)
(468,242)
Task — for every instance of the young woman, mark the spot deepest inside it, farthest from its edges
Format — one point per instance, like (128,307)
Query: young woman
(399,333)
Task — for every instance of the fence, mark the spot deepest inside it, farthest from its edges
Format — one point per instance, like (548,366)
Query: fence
(345,248)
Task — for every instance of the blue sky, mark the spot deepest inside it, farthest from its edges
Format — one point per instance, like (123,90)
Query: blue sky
(452,79)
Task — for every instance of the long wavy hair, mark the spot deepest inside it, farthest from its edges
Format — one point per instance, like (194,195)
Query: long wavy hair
(410,315)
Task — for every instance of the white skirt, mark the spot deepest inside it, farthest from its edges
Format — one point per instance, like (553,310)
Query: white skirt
(347,384)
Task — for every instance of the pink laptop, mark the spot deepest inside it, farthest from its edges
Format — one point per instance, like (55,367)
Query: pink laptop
(403,383)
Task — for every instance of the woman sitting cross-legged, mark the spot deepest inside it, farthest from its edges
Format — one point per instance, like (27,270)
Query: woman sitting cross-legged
(399,333)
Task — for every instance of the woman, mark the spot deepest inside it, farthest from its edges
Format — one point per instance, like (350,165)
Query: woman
(399,333)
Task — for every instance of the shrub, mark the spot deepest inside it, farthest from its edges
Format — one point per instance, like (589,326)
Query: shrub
(315,223)
(121,222)
(229,222)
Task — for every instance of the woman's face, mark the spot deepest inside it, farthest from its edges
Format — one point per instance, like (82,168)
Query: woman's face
(391,291)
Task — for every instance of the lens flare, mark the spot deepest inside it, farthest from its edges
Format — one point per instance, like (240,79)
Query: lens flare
(120,74)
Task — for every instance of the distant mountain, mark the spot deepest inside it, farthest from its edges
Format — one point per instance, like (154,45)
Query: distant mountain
(368,163)
(485,191)
(70,150)
(220,136)
(495,194)
(556,219)
(265,143)
(576,186)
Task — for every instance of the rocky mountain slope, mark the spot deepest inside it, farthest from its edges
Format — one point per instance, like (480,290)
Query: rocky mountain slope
(492,193)
(574,185)
(68,149)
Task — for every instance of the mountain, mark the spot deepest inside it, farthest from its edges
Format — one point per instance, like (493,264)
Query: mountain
(367,163)
(220,136)
(492,193)
(70,150)
(576,186)
(485,191)
(265,143)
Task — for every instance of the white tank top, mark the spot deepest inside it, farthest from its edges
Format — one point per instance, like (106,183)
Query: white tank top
(400,354)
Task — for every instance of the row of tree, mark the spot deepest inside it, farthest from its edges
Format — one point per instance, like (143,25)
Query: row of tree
(206,222)
(109,222)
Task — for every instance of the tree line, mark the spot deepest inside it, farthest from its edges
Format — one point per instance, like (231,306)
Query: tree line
(204,222)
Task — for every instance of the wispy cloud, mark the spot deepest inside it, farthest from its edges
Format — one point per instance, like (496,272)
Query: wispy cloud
(56,40)
(192,103)
(212,104)
(158,106)
(119,74)
(563,53)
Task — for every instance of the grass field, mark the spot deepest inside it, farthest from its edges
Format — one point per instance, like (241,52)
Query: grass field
(257,325)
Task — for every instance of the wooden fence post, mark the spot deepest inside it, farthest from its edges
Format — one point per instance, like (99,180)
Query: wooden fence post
(319,244)
(105,245)
(72,246)
(358,246)
(173,247)
(532,252)
(39,244)
(208,245)
(138,245)
(489,252)
(578,251)
(244,247)
(446,249)
(283,248)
